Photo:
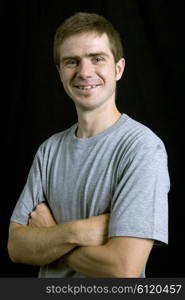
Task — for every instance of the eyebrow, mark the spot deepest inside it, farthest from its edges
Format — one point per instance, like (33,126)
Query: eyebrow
(64,58)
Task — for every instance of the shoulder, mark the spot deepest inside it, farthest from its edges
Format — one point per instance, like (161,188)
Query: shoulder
(139,144)
(139,136)
(54,142)
(144,155)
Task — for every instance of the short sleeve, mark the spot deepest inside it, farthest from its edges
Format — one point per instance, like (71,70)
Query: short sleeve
(139,206)
(32,194)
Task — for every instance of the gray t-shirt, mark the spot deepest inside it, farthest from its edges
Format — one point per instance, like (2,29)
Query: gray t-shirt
(122,170)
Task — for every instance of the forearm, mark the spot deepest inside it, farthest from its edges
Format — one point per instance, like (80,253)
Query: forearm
(39,246)
(43,245)
(96,261)
(120,257)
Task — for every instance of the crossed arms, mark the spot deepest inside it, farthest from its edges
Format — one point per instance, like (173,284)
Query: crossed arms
(83,245)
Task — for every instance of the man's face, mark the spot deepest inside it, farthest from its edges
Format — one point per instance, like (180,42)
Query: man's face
(88,70)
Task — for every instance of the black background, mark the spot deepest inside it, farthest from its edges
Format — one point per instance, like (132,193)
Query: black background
(34,105)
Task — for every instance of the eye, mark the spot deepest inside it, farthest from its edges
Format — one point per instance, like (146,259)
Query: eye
(71,63)
(99,59)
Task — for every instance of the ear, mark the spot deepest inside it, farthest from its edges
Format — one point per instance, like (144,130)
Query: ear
(120,66)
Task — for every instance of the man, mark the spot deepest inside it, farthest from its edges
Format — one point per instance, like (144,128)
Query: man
(96,196)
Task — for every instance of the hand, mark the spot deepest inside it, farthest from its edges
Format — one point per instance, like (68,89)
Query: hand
(94,231)
(41,216)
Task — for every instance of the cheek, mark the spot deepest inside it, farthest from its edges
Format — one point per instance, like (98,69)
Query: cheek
(109,71)
(64,77)
(109,76)
(60,74)
(104,73)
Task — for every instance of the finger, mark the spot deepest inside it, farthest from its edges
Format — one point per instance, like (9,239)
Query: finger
(42,207)
(42,204)
(33,214)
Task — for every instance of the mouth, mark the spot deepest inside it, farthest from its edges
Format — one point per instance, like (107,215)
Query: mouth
(86,87)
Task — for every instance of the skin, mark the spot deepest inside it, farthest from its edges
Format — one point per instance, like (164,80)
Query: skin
(89,74)
(86,60)
(42,241)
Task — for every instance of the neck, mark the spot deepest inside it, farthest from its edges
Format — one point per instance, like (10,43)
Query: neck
(91,123)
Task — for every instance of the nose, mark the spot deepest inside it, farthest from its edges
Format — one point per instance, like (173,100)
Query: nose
(85,69)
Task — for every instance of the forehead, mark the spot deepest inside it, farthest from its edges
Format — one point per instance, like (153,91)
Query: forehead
(84,43)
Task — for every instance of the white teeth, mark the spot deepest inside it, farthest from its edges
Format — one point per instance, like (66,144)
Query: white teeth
(87,87)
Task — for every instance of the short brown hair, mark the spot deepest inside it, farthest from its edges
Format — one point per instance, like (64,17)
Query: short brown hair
(87,22)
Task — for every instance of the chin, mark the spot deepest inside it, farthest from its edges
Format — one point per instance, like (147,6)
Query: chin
(83,107)
(89,106)
(88,103)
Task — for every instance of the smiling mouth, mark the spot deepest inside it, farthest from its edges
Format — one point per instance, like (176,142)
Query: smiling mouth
(86,87)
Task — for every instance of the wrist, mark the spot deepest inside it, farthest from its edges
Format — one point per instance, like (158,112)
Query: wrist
(73,232)
(78,232)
